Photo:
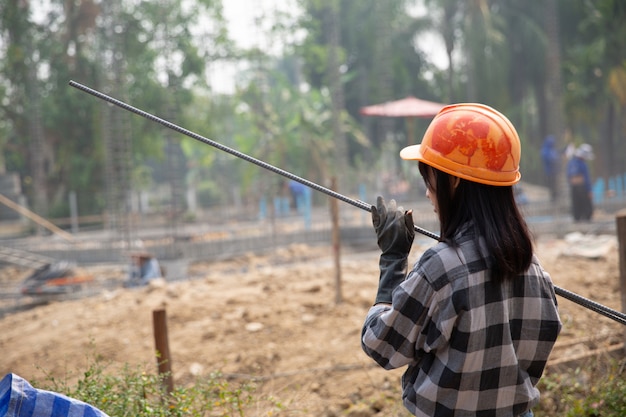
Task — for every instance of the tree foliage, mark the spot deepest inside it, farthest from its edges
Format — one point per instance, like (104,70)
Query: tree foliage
(496,51)
(68,42)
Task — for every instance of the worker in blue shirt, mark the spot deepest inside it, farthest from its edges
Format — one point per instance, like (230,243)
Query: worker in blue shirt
(144,267)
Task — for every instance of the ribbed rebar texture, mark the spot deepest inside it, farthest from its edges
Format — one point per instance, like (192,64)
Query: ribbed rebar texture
(591,305)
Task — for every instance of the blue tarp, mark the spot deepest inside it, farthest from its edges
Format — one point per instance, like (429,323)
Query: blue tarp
(19,399)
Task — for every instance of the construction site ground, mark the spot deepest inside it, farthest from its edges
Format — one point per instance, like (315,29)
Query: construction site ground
(281,320)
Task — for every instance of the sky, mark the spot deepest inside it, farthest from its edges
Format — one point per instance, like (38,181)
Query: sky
(241,16)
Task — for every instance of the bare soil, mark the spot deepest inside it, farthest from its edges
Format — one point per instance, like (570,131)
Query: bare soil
(275,318)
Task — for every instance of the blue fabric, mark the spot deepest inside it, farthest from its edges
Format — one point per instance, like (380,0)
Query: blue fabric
(550,156)
(577,166)
(144,271)
(19,399)
(297,187)
(150,269)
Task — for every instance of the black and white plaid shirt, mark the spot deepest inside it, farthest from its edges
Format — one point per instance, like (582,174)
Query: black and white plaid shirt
(472,347)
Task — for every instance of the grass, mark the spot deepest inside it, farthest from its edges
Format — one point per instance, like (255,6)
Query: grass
(132,392)
(594,389)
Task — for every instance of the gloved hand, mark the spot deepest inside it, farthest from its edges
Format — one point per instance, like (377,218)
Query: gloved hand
(395,232)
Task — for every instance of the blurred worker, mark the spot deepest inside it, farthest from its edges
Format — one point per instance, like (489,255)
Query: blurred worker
(476,318)
(144,267)
(297,191)
(579,182)
(550,157)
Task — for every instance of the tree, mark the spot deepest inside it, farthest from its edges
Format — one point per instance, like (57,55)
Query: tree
(593,71)
(23,107)
(379,62)
(86,41)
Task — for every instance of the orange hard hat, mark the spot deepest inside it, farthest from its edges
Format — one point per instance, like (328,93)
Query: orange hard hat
(471,141)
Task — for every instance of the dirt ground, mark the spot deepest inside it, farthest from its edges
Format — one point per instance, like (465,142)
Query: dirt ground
(276,318)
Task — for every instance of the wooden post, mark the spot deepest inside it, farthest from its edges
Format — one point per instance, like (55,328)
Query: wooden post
(164,360)
(336,236)
(621,239)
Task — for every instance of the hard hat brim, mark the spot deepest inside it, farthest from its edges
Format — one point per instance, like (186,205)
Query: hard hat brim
(415,153)
(411,153)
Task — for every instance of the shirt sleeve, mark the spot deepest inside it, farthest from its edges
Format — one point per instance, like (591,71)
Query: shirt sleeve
(394,336)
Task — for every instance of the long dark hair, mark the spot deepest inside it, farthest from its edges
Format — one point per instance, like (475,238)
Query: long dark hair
(494,214)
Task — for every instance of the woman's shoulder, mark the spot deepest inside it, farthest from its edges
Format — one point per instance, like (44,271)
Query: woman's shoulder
(435,252)
(452,261)
(465,245)
(437,261)
(537,269)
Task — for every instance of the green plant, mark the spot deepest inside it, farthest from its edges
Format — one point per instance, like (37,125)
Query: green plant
(606,397)
(593,390)
(136,393)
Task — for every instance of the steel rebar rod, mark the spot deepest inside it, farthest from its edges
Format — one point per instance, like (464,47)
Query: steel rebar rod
(585,302)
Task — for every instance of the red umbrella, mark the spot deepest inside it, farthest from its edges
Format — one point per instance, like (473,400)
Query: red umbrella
(406,107)
(409,107)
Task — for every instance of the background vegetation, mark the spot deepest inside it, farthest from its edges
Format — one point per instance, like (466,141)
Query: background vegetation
(553,66)
(138,392)
(558,67)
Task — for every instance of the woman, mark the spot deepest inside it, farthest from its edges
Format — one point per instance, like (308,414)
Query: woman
(476,318)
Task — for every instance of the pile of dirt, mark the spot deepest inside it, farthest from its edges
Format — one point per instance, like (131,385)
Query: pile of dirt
(274,318)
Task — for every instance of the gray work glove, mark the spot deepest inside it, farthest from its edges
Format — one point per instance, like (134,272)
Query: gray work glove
(395,232)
